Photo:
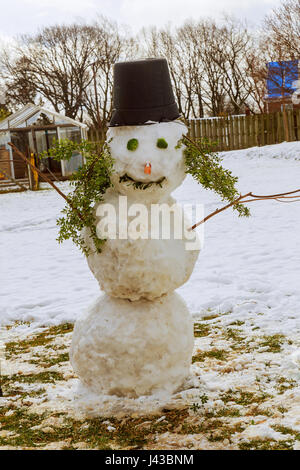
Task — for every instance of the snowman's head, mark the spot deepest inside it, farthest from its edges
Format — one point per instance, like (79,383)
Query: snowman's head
(149,164)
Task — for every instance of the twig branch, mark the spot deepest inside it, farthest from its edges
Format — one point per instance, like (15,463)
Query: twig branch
(241,200)
(52,174)
(45,178)
(277,195)
(217,211)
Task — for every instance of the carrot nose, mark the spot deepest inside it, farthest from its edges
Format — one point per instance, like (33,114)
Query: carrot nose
(147,169)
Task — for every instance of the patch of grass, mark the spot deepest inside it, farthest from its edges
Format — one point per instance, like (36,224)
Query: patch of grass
(286,430)
(224,412)
(10,382)
(36,393)
(218,354)
(17,323)
(215,430)
(20,422)
(257,411)
(266,444)
(41,339)
(244,398)
(209,317)
(225,432)
(128,434)
(272,343)
(61,329)
(282,409)
(46,362)
(226,313)
(55,347)
(284,384)
(227,412)
(14,348)
(201,329)
(95,434)
(234,335)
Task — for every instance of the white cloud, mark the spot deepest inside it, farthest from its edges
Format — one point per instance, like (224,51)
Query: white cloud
(139,13)
(63,6)
(27,16)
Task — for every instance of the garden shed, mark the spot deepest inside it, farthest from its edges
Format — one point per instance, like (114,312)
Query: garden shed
(32,130)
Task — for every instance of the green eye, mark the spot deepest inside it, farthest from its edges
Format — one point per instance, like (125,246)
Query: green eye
(161,144)
(132,144)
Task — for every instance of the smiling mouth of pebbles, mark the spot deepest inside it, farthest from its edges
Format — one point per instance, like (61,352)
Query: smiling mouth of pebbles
(140,184)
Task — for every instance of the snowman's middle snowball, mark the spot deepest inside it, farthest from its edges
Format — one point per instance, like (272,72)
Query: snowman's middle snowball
(143,268)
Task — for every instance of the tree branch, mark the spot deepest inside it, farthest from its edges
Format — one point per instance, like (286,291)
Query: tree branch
(45,178)
(241,200)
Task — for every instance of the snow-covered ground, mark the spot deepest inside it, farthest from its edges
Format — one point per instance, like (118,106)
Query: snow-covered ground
(248,267)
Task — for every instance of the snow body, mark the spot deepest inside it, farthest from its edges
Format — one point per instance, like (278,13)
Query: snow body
(132,349)
(138,339)
(144,268)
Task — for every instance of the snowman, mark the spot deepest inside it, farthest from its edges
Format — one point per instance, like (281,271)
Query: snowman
(136,339)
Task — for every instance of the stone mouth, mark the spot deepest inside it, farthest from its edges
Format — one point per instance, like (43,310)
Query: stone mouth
(141,184)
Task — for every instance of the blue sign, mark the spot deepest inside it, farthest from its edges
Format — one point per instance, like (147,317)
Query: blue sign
(281,77)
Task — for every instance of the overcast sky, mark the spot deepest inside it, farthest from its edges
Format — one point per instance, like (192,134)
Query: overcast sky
(27,16)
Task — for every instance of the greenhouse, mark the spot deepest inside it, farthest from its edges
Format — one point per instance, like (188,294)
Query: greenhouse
(33,130)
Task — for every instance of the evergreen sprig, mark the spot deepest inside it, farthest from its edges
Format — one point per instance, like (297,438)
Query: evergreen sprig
(205,167)
(89,183)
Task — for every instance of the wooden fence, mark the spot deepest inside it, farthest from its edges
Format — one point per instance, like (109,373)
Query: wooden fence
(238,132)
(96,135)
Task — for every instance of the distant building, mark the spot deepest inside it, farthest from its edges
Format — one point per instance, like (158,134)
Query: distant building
(33,130)
(283,86)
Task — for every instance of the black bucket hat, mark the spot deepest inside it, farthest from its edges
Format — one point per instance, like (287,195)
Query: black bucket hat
(142,92)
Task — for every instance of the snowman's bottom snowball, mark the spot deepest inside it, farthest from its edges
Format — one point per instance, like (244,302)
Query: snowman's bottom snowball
(132,349)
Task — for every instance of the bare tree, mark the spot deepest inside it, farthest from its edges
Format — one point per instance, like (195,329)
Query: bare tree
(69,67)
(19,89)
(212,81)
(162,43)
(181,49)
(111,44)
(233,45)
(191,68)
(257,73)
(53,65)
(212,66)
(282,30)
(215,68)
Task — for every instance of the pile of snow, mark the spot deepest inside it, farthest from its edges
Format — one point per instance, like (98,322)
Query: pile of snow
(262,431)
(286,150)
(248,268)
